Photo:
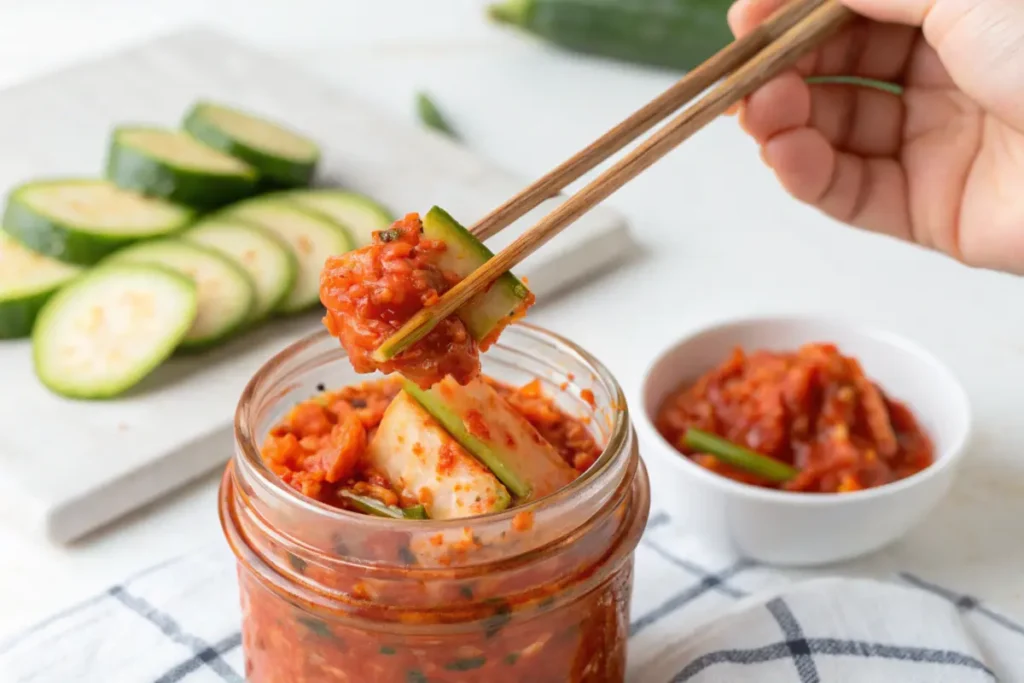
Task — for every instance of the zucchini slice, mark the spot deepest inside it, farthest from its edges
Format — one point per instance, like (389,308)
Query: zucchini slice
(27,281)
(82,221)
(312,239)
(417,455)
(358,213)
(281,155)
(502,439)
(492,309)
(177,167)
(263,255)
(225,293)
(105,332)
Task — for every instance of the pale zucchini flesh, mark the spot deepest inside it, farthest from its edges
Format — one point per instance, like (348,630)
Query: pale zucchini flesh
(102,334)
(361,215)
(83,221)
(281,155)
(312,239)
(175,166)
(463,255)
(418,456)
(502,439)
(226,295)
(263,255)
(27,281)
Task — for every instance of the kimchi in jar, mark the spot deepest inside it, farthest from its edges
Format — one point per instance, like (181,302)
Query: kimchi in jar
(539,592)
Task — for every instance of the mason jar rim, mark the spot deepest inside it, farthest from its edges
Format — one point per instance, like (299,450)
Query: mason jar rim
(252,461)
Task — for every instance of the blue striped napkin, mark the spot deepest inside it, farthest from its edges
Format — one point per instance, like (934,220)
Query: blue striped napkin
(697,617)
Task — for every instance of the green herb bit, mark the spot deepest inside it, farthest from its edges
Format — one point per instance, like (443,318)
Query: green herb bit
(467,664)
(297,563)
(466,591)
(316,626)
(389,235)
(884,86)
(388,650)
(511,658)
(406,555)
(414,676)
(738,456)
(546,602)
(431,116)
(497,621)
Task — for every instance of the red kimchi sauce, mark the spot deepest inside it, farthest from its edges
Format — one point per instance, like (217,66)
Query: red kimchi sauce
(526,627)
(371,292)
(813,409)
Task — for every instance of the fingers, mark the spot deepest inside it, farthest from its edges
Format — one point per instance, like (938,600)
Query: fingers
(780,105)
(862,121)
(909,12)
(867,193)
(746,15)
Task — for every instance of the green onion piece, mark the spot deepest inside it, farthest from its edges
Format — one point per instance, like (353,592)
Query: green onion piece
(369,505)
(738,456)
(431,116)
(467,664)
(415,512)
(297,563)
(885,86)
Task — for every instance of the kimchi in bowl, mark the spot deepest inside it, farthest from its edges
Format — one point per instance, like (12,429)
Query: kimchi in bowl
(799,528)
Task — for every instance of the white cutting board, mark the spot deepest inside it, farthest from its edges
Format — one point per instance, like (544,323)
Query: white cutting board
(67,467)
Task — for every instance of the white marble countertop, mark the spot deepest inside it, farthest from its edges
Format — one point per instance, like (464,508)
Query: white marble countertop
(721,239)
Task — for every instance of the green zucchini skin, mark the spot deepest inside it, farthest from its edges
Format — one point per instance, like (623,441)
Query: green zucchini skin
(672,34)
(66,242)
(277,173)
(51,238)
(17,316)
(133,169)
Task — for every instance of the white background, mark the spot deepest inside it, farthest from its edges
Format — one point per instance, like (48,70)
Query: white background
(721,239)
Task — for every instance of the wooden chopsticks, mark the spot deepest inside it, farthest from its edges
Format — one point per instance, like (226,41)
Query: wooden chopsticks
(745,65)
(639,122)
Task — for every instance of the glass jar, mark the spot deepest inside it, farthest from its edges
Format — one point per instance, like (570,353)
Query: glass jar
(538,593)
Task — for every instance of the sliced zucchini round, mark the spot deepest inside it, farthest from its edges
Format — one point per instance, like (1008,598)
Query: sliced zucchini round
(27,281)
(281,155)
(106,331)
(175,166)
(263,255)
(82,221)
(226,294)
(361,215)
(312,239)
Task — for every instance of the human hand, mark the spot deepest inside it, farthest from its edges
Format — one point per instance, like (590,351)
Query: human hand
(943,163)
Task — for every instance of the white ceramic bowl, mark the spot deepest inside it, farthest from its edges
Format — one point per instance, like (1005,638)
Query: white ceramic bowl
(804,529)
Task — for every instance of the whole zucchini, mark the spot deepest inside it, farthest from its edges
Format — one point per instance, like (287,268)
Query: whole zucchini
(676,34)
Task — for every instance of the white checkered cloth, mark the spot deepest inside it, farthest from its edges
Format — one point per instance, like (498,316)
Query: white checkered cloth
(703,619)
